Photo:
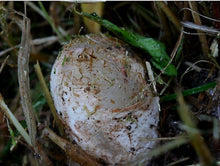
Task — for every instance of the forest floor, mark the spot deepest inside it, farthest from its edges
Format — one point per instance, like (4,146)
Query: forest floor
(190,32)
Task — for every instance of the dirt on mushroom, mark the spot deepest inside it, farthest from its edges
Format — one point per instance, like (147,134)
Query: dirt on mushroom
(99,91)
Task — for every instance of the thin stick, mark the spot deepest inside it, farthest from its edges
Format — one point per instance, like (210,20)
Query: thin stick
(45,41)
(200,27)
(3,64)
(177,45)
(209,18)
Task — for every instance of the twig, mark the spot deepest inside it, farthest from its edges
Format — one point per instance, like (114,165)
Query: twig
(14,120)
(175,52)
(23,78)
(44,41)
(73,150)
(179,161)
(3,64)
(209,18)
(200,27)
(191,67)
(9,49)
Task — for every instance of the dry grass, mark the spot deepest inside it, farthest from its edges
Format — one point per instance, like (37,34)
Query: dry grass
(37,32)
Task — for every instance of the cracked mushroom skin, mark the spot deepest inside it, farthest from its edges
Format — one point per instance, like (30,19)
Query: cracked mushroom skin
(99,90)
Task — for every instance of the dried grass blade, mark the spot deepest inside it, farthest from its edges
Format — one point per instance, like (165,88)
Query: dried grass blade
(169,146)
(197,20)
(48,97)
(170,15)
(178,141)
(14,120)
(195,138)
(23,79)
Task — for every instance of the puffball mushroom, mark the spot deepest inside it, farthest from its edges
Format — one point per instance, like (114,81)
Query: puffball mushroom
(99,90)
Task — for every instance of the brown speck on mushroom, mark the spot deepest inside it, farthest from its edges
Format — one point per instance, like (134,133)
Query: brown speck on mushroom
(101,105)
(112,101)
(87,89)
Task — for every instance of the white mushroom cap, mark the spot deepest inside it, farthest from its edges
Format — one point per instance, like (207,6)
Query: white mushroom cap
(96,84)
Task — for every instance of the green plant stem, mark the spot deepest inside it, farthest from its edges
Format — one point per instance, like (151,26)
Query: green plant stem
(189,92)
(48,18)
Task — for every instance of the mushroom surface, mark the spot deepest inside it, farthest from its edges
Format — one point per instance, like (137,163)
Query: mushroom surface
(99,90)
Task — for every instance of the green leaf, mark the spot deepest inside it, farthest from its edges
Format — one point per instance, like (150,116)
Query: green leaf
(189,91)
(156,49)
